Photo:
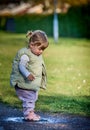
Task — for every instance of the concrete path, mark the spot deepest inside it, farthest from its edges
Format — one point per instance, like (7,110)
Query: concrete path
(12,119)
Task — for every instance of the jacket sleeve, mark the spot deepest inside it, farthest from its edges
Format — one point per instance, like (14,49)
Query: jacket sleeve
(22,65)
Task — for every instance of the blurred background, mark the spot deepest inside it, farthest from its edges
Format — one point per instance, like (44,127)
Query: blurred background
(66,22)
(72,17)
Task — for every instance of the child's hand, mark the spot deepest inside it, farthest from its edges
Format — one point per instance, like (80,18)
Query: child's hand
(31,77)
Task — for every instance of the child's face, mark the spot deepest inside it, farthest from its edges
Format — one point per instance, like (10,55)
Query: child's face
(38,49)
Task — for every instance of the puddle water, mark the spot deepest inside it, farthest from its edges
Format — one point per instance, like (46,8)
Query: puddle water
(14,119)
(43,120)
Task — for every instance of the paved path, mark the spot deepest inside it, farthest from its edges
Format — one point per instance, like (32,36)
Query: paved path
(12,119)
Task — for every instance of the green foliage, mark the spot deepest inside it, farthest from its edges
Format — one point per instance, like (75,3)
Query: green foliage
(75,23)
(68,71)
(34,22)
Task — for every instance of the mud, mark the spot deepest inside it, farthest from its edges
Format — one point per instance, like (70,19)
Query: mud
(12,119)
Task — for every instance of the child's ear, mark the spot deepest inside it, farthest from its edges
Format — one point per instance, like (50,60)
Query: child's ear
(31,44)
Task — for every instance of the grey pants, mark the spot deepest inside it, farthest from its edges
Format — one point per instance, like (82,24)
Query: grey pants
(28,98)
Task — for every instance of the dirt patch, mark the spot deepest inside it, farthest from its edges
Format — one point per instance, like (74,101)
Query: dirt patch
(12,119)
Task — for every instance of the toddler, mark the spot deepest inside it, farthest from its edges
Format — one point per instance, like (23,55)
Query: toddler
(28,72)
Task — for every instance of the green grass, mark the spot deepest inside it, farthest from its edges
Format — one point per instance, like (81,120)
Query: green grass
(68,71)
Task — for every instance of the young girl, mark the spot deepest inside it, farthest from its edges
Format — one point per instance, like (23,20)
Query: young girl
(29,73)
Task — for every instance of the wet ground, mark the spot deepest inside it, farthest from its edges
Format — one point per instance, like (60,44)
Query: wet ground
(12,119)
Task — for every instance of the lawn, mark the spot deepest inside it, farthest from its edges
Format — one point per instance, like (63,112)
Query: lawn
(68,71)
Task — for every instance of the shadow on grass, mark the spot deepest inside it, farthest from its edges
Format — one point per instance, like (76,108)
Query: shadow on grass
(65,104)
(56,104)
